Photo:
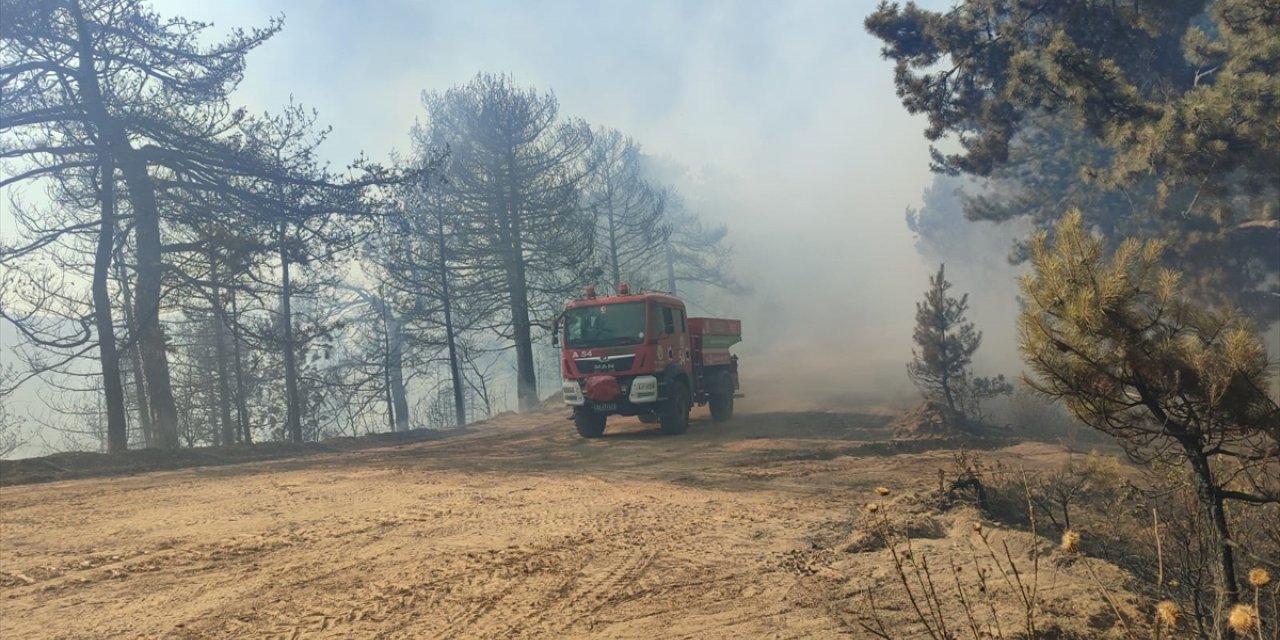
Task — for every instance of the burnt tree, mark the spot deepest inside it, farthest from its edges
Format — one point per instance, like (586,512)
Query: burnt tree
(514,181)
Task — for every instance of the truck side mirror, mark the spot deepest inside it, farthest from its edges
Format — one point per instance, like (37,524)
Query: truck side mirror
(555,332)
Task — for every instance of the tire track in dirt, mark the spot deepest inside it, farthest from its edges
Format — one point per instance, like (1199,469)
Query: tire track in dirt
(579,598)
(578,586)
(516,530)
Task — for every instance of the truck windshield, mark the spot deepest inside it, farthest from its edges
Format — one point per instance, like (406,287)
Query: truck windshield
(605,325)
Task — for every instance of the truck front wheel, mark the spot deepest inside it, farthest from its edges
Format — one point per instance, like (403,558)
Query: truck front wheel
(721,400)
(590,423)
(675,416)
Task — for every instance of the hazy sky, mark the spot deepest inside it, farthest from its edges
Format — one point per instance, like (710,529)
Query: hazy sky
(745,85)
(788,102)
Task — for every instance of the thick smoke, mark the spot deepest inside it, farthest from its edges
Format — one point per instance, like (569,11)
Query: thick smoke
(789,127)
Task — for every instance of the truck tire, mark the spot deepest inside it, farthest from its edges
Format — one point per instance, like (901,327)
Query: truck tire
(675,416)
(590,423)
(721,400)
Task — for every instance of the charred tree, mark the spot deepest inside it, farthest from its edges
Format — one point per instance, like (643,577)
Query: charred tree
(628,211)
(513,180)
(135,358)
(66,85)
(242,409)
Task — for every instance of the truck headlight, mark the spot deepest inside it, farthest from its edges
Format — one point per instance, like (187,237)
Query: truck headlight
(643,389)
(572,393)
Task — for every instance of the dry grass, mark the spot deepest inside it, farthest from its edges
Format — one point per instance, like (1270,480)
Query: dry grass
(969,580)
(1145,526)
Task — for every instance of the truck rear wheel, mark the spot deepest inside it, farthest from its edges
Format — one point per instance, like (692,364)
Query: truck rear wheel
(590,423)
(721,400)
(675,416)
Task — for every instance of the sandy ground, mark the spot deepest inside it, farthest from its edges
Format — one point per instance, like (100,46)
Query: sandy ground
(515,529)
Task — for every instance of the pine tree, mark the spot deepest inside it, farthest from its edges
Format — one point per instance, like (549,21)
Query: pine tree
(513,182)
(1155,117)
(946,343)
(1130,356)
(629,211)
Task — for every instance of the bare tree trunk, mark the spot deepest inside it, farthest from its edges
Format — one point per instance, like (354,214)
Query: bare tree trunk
(293,403)
(135,357)
(220,352)
(395,372)
(613,244)
(526,376)
(151,340)
(669,255)
(1212,502)
(946,393)
(946,381)
(477,382)
(386,366)
(215,434)
(517,286)
(242,410)
(112,383)
(150,335)
(455,369)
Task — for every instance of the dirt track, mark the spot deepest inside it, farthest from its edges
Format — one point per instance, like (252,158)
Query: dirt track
(517,528)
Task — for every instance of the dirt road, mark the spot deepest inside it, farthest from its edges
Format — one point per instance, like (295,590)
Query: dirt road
(517,528)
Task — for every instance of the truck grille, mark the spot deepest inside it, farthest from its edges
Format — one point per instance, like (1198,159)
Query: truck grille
(605,364)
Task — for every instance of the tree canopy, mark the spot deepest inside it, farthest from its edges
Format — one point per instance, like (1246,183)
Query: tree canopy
(1160,118)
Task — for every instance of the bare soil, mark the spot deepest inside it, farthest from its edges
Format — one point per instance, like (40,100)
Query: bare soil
(754,528)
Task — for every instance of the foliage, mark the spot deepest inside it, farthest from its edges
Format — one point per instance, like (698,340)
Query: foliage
(1158,118)
(697,255)
(943,234)
(1131,356)
(105,91)
(946,342)
(974,391)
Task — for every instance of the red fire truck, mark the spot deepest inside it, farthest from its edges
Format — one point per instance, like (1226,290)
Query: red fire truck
(637,354)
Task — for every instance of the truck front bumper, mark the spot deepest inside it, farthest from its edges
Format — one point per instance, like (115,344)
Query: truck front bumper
(638,394)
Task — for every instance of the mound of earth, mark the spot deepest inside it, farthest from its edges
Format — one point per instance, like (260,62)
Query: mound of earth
(910,515)
(930,419)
